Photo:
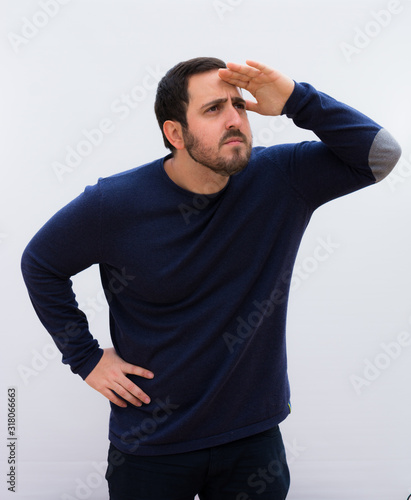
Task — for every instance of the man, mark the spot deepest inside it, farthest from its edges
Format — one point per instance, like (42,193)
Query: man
(196,252)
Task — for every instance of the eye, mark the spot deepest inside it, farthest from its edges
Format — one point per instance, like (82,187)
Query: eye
(240,105)
(212,109)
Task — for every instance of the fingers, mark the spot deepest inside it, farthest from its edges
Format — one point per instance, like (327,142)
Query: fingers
(122,390)
(244,72)
(127,389)
(263,68)
(111,396)
(234,78)
(130,392)
(109,377)
(247,76)
(137,370)
(269,87)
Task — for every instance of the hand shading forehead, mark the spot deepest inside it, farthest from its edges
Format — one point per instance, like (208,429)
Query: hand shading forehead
(208,87)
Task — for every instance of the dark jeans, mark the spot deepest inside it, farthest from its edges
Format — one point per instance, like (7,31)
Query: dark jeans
(252,468)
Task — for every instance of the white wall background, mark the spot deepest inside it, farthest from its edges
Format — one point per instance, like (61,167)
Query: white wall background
(67,65)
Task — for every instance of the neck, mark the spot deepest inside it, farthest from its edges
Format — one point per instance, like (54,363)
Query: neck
(193,176)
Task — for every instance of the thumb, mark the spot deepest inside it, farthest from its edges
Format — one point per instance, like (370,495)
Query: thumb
(252,106)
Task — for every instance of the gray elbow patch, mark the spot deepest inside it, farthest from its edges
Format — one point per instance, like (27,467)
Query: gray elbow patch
(384,154)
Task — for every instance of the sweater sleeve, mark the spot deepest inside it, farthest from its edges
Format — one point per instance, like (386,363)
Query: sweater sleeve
(67,244)
(353,151)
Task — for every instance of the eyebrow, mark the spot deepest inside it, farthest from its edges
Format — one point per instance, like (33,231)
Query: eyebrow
(222,101)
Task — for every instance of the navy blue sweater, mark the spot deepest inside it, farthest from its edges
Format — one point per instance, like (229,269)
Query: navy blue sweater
(197,285)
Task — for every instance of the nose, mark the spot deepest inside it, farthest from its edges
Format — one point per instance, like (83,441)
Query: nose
(233,119)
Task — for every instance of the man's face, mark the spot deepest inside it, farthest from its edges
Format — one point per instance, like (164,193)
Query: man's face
(218,135)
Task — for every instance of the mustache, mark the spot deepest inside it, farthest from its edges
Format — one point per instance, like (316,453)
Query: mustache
(233,133)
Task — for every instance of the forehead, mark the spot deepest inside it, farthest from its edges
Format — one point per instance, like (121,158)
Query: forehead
(205,87)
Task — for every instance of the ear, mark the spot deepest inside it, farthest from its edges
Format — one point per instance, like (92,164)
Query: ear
(174,134)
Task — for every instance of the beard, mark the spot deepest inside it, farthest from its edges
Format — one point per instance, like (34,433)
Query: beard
(211,158)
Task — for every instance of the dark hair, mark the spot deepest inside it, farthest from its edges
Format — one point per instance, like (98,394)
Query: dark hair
(172,92)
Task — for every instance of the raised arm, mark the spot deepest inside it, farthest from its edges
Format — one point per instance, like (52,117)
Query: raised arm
(348,137)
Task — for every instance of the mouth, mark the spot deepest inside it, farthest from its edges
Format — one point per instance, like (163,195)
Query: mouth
(234,141)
